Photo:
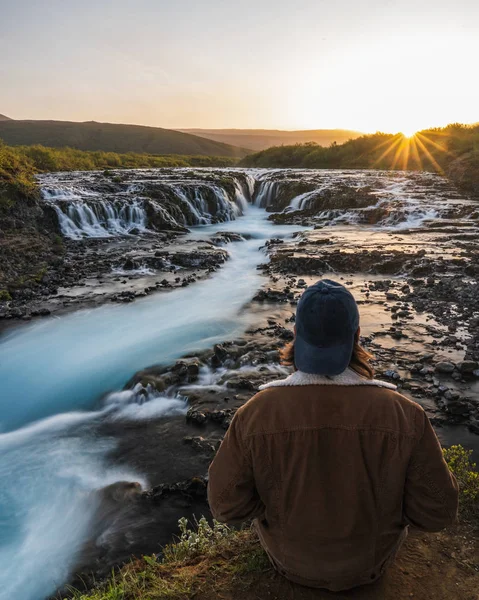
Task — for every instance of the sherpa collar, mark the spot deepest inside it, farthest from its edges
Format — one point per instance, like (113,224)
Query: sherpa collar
(348,377)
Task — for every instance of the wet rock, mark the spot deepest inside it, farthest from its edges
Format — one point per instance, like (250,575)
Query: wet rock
(191,490)
(200,444)
(225,237)
(196,416)
(240,383)
(392,374)
(444,367)
(270,296)
(187,369)
(467,366)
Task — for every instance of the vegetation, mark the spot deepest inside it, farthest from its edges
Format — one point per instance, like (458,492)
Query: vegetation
(212,560)
(460,463)
(452,150)
(16,175)
(111,137)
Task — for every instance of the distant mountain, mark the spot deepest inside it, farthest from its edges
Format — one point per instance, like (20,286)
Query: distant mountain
(5,118)
(112,138)
(260,139)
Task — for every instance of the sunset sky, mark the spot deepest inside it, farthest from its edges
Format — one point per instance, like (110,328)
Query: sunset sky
(367,65)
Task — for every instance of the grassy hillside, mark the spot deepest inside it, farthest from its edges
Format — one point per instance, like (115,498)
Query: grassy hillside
(452,150)
(110,137)
(260,139)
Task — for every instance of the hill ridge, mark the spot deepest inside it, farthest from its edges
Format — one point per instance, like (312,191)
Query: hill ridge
(261,139)
(112,137)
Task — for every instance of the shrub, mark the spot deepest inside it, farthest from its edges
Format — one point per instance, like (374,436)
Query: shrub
(460,463)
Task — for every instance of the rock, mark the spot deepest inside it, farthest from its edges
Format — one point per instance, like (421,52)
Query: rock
(474,427)
(187,368)
(196,416)
(452,395)
(392,374)
(285,334)
(270,296)
(391,296)
(241,383)
(192,489)
(200,444)
(130,264)
(444,367)
(224,237)
(467,366)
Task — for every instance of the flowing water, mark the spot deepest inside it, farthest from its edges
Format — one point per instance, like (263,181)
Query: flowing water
(49,469)
(60,376)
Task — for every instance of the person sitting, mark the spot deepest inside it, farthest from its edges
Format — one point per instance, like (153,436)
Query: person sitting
(332,464)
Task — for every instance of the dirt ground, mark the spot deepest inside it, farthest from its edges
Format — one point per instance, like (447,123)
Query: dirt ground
(442,566)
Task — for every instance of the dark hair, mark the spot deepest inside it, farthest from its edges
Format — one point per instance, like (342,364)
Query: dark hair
(359,360)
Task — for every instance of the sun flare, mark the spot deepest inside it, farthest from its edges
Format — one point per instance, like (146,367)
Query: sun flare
(408,133)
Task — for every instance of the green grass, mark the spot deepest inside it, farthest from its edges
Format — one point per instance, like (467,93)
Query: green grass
(16,175)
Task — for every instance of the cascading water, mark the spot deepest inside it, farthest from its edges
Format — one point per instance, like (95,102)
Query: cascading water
(100,219)
(300,202)
(266,193)
(90,207)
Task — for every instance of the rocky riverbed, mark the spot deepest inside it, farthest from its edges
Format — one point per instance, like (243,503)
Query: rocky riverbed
(405,244)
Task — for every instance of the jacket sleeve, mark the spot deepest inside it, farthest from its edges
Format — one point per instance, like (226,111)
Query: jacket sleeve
(431,491)
(232,493)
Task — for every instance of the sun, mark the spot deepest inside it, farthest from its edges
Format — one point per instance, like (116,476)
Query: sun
(408,132)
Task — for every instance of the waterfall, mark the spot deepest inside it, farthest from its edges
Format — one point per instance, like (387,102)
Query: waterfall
(195,207)
(240,196)
(266,193)
(301,202)
(89,205)
(80,219)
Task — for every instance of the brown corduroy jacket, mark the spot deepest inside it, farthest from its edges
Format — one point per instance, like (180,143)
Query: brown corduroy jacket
(332,470)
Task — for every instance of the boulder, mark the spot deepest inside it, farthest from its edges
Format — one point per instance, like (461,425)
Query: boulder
(444,367)
(467,366)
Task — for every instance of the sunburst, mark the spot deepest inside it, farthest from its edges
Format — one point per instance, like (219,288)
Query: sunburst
(408,133)
(413,151)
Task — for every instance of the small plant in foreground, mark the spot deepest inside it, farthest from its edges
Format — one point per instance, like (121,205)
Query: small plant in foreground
(460,463)
(202,540)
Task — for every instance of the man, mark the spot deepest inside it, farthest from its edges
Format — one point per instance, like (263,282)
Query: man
(332,464)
